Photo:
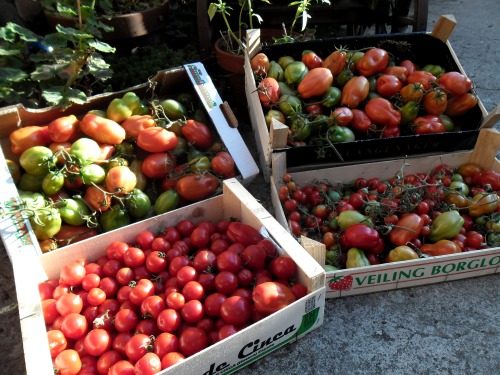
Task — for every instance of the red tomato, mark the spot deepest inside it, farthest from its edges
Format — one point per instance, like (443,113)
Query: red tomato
(102,129)
(423,77)
(148,364)
(157,139)
(68,362)
(388,85)
(283,267)
(97,342)
(74,326)
(223,164)
(157,165)
(311,59)
(120,180)
(373,61)
(355,91)
(382,112)
(63,129)
(194,187)
(57,342)
(197,133)
(315,83)
(406,229)
(335,62)
(428,124)
(137,346)
(171,359)
(260,64)
(360,121)
(72,274)
(236,310)
(271,296)
(435,101)
(409,65)
(192,340)
(455,83)
(269,91)
(28,136)
(458,105)
(341,116)
(122,367)
(243,233)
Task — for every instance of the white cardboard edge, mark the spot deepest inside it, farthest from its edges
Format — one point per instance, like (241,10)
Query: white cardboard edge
(230,136)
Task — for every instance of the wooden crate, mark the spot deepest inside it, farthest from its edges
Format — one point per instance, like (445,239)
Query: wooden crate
(274,140)
(17,234)
(390,276)
(226,356)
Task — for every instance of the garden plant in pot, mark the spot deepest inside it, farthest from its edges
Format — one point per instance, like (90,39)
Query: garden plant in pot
(230,47)
(123,18)
(59,69)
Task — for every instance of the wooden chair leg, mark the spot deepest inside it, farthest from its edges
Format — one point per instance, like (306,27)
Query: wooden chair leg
(203,29)
(421,9)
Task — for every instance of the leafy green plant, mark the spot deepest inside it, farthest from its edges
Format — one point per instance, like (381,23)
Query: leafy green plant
(101,8)
(59,69)
(234,42)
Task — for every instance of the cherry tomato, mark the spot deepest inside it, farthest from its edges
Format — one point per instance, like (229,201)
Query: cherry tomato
(270,297)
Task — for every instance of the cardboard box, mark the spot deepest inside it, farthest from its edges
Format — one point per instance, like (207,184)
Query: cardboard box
(422,48)
(191,77)
(229,355)
(390,276)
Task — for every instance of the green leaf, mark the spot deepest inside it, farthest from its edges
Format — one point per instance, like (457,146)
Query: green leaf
(58,96)
(212,9)
(71,32)
(23,33)
(101,46)
(12,75)
(7,51)
(45,72)
(56,40)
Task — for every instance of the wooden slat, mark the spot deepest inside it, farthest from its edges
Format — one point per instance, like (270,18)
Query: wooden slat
(444,27)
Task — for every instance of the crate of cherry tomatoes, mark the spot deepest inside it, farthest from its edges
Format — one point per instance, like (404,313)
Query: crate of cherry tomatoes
(208,288)
(360,99)
(395,224)
(73,173)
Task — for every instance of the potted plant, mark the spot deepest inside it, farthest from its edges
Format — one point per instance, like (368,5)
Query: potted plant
(231,45)
(59,69)
(122,18)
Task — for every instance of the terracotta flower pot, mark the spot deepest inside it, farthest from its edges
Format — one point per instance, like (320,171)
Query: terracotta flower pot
(125,26)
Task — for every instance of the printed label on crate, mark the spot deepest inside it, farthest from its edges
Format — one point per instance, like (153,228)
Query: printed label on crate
(426,271)
(260,347)
(16,224)
(203,85)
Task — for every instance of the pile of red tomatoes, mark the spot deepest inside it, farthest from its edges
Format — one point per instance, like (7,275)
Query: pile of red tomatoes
(350,95)
(407,216)
(146,306)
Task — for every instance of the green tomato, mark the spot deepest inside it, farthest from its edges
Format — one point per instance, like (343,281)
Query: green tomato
(344,76)
(295,72)
(37,160)
(274,113)
(284,61)
(200,164)
(460,187)
(53,182)
(46,223)
(28,182)
(301,128)
(349,217)
(138,204)
(181,148)
(173,109)
(32,200)
(285,89)
(289,105)
(409,112)
(114,218)
(141,109)
(166,201)
(275,71)
(331,97)
(435,70)
(447,122)
(337,133)
(74,211)
(92,174)
(85,150)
